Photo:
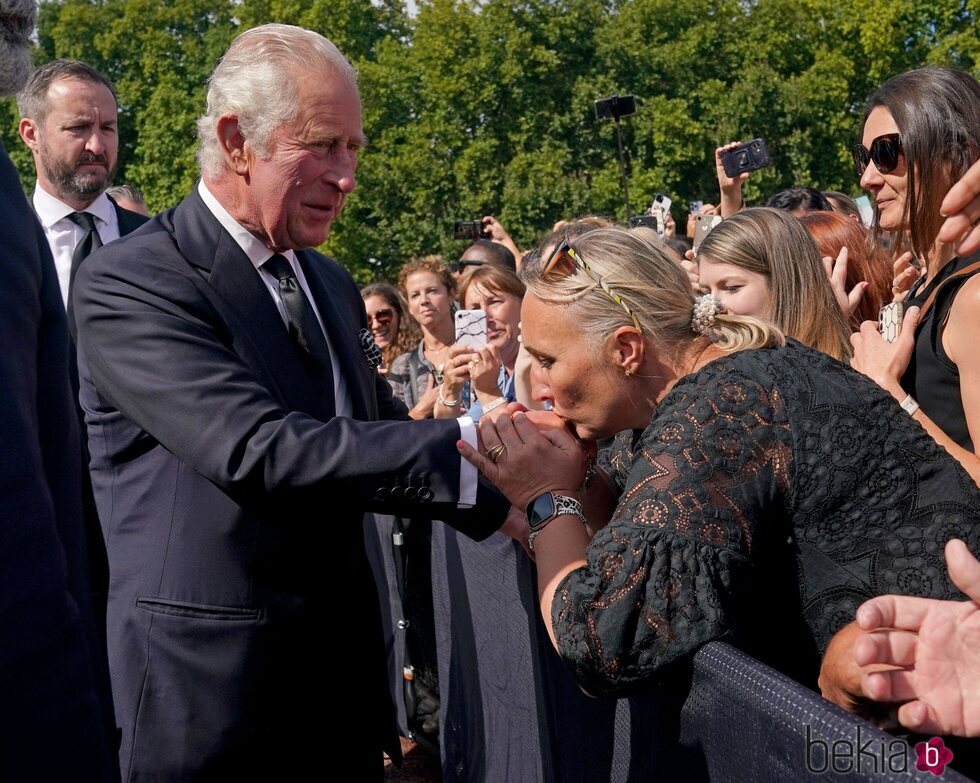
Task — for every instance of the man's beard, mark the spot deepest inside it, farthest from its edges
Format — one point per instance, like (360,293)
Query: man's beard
(66,178)
(17,18)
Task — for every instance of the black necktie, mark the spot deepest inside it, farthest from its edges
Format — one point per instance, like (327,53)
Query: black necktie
(303,326)
(90,242)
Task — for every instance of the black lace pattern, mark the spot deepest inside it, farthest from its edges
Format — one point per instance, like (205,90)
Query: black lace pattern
(761,462)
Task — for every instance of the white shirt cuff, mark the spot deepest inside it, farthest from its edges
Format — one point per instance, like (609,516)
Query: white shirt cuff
(468,474)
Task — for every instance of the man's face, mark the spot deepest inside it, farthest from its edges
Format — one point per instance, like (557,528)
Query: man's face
(293,196)
(16,25)
(76,146)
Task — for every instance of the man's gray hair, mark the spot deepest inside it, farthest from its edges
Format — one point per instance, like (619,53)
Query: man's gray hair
(17,18)
(32,101)
(256,81)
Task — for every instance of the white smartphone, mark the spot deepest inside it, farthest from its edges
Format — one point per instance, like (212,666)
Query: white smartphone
(702,227)
(471,328)
(890,321)
(661,202)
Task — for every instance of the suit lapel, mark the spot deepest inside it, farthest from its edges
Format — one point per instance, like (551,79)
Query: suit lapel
(247,307)
(342,328)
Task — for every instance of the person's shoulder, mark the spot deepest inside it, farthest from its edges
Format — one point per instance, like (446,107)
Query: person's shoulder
(399,365)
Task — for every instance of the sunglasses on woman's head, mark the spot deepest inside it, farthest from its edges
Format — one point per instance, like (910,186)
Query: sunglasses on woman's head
(564,252)
(884,153)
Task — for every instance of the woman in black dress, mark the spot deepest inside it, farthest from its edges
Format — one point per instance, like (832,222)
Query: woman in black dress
(920,134)
(762,490)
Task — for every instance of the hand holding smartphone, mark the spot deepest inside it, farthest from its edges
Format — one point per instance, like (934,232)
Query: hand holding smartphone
(471,328)
(890,321)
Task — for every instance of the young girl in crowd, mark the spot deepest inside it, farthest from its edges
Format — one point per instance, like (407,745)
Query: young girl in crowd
(762,262)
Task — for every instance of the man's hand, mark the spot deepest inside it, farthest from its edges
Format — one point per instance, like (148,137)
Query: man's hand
(962,208)
(937,646)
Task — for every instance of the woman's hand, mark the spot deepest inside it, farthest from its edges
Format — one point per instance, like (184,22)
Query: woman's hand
(690,265)
(456,371)
(837,275)
(881,361)
(904,276)
(424,408)
(692,218)
(485,372)
(730,187)
(527,462)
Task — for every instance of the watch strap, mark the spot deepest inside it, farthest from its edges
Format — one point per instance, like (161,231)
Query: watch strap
(564,506)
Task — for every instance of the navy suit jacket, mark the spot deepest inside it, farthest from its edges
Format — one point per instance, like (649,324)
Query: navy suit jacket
(51,726)
(231,497)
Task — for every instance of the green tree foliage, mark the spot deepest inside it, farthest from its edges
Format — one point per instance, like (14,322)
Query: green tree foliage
(477,108)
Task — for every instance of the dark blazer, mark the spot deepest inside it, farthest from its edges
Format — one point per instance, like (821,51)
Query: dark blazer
(243,618)
(50,724)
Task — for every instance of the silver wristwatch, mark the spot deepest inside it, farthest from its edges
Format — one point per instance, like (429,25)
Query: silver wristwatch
(546,507)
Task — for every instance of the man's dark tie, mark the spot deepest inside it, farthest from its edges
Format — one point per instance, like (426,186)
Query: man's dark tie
(90,242)
(303,325)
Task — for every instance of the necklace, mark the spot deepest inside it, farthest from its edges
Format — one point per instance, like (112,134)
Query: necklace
(438,360)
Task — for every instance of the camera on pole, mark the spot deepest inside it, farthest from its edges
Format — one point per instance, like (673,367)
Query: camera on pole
(612,108)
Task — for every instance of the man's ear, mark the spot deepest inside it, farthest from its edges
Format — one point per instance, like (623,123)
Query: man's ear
(232,144)
(30,132)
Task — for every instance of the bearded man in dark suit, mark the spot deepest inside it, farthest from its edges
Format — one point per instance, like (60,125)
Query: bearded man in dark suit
(236,442)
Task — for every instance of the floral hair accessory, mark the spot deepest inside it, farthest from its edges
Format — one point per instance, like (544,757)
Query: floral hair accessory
(706,307)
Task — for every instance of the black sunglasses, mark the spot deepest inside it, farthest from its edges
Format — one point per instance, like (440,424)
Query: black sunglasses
(884,153)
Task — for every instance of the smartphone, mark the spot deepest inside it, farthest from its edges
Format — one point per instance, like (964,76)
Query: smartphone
(702,227)
(748,156)
(654,220)
(661,202)
(890,321)
(471,328)
(468,229)
(694,207)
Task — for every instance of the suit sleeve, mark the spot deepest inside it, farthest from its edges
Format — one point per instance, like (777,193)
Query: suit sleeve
(160,353)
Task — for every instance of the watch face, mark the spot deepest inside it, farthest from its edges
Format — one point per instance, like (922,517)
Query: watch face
(540,510)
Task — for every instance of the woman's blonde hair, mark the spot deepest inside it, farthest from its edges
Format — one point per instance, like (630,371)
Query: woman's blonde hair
(654,288)
(773,243)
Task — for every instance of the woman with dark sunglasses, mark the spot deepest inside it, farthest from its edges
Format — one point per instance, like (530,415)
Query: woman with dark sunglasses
(764,489)
(920,134)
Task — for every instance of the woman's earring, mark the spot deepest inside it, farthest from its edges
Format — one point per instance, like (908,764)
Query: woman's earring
(629,373)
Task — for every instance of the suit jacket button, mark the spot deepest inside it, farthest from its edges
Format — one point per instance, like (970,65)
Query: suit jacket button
(382,493)
(397,493)
(425,494)
(411,493)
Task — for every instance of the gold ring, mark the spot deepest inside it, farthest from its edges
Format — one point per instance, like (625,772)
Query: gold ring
(495,452)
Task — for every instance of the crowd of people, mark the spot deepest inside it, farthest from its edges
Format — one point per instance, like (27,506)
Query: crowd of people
(686,446)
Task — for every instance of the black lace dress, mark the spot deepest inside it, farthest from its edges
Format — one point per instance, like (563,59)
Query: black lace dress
(772,493)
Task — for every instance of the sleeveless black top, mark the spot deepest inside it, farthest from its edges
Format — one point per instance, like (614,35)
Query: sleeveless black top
(932,378)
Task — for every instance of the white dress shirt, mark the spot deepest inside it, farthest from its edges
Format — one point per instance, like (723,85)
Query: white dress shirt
(258,254)
(63,235)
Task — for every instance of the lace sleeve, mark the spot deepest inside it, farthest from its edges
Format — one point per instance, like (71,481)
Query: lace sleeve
(663,576)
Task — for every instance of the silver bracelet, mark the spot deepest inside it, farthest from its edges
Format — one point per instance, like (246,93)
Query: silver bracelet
(495,404)
(447,403)
(909,405)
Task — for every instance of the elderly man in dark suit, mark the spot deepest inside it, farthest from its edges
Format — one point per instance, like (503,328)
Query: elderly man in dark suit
(51,724)
(233,427)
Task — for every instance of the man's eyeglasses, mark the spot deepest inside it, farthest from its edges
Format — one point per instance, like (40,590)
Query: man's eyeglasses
(459,266)
(884,153)
(563,250)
